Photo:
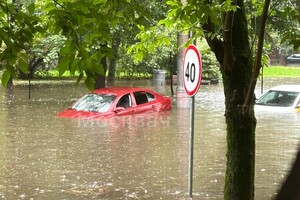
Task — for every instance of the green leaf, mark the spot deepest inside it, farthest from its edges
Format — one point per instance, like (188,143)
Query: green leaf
(285,38)
(98,69)
(89,83)
(174,3)
(74,67)
(23,65)
(88,66)
(296,44)
(31,8)
(66,48)
(5,36)
(63,66)
(12,59)
(83,52)
(109,52)
(5,78)
(79,78)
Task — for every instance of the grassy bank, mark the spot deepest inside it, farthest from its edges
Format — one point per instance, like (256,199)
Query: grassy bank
(54,74)
(271,71)
(281,71)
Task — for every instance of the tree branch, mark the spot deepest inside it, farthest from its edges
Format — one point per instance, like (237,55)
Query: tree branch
(228,62)
(250,93)
(215,44)
(56,2)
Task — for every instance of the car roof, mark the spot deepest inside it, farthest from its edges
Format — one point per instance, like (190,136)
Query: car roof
(288,88)
(119,90)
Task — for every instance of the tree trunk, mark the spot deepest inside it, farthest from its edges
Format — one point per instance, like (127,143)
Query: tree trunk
(239,180)
(112,65)
(235,57)
(111,72)
(100,78)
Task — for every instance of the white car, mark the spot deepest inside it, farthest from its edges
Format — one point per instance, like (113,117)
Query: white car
(281,98)
(295,58)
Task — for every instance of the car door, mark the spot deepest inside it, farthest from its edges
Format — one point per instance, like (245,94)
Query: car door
(143,103)
(124,106)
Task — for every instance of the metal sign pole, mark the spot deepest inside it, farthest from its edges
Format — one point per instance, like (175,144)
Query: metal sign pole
(191,147)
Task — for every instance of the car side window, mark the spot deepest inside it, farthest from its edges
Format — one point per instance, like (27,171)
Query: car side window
(140,97)
(150,96)
(278,98)
(267,98)
(286,98)
(124,101)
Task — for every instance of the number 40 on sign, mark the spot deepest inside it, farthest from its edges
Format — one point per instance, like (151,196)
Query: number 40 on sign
(192,70)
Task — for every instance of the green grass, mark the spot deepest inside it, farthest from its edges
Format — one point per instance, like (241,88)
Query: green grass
(54,74)
(281,71)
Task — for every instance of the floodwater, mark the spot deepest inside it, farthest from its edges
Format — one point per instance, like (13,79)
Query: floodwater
(134,157)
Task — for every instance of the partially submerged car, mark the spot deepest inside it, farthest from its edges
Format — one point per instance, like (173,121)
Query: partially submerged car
(280,98)
(117,101)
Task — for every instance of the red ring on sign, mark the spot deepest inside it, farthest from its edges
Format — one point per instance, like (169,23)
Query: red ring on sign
(195,50)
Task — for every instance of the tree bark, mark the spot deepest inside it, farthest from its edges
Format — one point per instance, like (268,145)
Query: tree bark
(111,72)
(112,65)
(100,78)
(239,179)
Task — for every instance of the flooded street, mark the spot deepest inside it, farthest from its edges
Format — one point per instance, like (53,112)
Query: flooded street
(134,157)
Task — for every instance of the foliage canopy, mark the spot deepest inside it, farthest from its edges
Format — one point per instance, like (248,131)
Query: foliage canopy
(90,26)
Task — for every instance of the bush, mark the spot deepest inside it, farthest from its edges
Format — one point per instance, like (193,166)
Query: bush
(210,66)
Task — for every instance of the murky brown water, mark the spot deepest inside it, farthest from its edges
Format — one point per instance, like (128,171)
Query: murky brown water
(135,157)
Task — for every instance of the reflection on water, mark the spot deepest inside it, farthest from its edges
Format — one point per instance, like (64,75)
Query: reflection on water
(130,157)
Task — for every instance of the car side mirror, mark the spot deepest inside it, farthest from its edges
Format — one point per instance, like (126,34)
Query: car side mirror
(118,109)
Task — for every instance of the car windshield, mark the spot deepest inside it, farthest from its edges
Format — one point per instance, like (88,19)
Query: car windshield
(94,103)
(278,98)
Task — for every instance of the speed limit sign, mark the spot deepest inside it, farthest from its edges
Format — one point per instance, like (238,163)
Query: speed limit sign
(192,70)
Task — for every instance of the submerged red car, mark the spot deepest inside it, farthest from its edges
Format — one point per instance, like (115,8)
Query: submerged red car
(117,101)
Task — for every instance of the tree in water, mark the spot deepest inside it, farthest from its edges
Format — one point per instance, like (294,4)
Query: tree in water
(224,25)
